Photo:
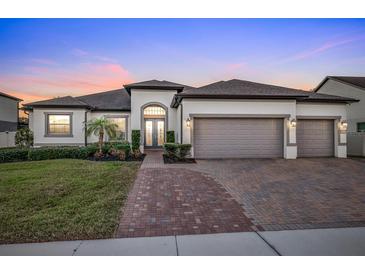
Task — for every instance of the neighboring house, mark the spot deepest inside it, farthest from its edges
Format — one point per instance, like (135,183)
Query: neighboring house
(9,114)
(353,87)
(226,119)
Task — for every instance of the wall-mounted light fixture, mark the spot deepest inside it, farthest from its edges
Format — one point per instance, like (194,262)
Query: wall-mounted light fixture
(188,122)
(343,125)
(293,122)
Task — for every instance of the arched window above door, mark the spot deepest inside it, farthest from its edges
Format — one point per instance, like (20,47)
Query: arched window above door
(153,111)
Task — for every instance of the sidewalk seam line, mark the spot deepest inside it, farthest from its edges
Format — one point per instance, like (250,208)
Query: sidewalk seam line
(270,245)
(77,247)
(177,247)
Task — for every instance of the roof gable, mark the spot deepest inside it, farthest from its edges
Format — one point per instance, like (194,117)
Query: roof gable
(156,84)
(358,82)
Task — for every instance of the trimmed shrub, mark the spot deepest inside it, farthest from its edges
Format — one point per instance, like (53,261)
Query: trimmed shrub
(48,153)
(121,150)
(184,150)
(13,155)
(24,137)
(170,136)
(136,139)
(178,151)
(170,149)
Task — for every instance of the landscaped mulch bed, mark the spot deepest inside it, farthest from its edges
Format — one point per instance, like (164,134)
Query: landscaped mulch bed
(108,158)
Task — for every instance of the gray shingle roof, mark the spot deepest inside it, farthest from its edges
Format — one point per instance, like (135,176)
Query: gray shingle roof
(237,87)
(352,80)
(109,100)
(240,89)
(68,101)
(117,99)
(325,97)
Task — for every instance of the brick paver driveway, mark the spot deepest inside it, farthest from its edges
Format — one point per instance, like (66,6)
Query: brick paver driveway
(173,200)
(215,196)
(294,194)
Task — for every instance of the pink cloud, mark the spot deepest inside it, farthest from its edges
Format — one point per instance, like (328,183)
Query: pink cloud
(323,48)
(236,66)
(79,80)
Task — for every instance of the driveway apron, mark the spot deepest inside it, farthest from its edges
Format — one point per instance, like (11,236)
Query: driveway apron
(173,200)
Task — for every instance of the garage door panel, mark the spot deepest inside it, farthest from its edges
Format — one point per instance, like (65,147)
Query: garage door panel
(238,138)
(315,138)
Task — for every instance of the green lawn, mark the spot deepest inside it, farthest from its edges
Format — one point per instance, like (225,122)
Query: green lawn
(62,199)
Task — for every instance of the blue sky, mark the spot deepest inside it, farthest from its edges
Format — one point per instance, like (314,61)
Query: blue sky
(44,58)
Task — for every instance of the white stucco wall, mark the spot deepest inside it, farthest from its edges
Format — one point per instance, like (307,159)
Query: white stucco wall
(355,111)
(8,109)
(320,109)
(39,127)
(140,97)
(37,124)
(98,114)
(241,107)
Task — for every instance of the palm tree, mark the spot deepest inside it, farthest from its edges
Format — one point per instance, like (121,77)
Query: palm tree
(99,127)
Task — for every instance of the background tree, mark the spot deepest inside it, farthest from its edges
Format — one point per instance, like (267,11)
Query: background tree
(24,137)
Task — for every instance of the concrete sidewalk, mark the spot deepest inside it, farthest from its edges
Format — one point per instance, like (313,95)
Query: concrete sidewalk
(333,241)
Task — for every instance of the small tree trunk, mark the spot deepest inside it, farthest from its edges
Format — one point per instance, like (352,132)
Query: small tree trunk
(101,138)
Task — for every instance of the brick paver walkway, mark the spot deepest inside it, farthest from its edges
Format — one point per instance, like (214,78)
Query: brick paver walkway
(170,200)
(294,194)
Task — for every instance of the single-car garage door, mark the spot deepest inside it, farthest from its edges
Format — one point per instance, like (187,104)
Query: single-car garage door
(315,138)
(238,138)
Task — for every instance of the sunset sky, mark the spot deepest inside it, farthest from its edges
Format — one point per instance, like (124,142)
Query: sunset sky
(45,58)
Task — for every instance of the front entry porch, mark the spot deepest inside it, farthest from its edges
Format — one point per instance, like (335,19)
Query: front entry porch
(154,125)
(154,133)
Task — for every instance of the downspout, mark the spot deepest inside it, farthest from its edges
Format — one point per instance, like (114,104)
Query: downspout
(85,128)
(181,124)
(17,116)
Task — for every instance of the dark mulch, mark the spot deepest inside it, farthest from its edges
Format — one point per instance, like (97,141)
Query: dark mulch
(172,160)
(108,158)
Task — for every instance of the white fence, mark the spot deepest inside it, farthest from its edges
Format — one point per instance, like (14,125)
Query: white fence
(356,143)
(7,139)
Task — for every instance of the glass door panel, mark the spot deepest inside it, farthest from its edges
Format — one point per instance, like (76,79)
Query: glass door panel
(160,133)
(149,133)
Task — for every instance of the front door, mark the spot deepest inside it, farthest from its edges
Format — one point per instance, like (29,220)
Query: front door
(154,132)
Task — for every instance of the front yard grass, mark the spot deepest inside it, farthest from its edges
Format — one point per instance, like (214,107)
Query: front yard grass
(62,199)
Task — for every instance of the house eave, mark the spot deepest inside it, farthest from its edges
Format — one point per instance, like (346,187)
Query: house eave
(178,98)
(128,88)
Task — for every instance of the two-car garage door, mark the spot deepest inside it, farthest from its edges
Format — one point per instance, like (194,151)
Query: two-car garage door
(238,138)
(259,138)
